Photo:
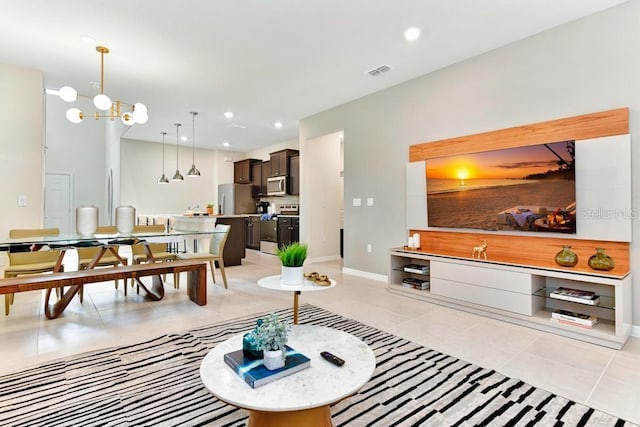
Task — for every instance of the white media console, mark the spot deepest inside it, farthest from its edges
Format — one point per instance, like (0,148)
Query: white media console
(518,294)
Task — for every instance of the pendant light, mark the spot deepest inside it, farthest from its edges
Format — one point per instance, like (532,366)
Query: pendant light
(177,176)
(163,179)
(193,172)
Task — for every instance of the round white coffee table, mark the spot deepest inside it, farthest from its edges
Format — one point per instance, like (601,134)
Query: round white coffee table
(274,282)
(302,398)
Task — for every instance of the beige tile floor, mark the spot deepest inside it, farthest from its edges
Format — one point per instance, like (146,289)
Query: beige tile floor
(605,379)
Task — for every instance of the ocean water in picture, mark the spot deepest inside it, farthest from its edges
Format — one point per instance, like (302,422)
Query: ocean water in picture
(444,185)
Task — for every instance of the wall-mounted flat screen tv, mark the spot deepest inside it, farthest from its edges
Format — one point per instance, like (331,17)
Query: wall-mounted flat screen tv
(528,189)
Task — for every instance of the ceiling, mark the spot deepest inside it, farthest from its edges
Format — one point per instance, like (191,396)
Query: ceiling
(266,61)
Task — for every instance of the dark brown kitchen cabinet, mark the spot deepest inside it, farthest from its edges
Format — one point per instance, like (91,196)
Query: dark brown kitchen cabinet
(253,232)
(266,173)
(234,248)
(280,161)
(256,180)
(242,171)
(288,230)
(294,175)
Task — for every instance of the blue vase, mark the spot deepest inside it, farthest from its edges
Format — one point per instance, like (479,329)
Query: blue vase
(249,347)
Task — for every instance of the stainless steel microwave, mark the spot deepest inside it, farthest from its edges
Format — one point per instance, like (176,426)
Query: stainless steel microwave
(277,186)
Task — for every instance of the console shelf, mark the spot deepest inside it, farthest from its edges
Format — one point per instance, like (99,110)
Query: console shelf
(518,294)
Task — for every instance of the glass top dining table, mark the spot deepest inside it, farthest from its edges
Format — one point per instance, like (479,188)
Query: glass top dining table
(107,243)
(76,240)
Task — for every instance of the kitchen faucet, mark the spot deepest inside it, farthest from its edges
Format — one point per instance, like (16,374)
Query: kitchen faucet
(193,208)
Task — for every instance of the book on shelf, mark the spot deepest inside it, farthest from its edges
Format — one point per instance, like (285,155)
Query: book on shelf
(575,318)
(567,322)
(411,282)
(416,268)
(576,295)
(254,373)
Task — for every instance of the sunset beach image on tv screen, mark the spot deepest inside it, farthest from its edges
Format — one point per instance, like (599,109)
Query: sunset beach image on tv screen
(528,188)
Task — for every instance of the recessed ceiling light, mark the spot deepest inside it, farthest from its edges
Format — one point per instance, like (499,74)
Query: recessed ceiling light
(235,125)
(278,125)
(228,115)
(184,138)
(412,34)
(225,144)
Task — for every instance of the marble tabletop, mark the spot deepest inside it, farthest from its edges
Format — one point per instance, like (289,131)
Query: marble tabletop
(318,385)
(274,282)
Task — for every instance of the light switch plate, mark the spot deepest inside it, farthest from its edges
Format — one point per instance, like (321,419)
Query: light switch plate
(22,201)
(369,201)
(357,202)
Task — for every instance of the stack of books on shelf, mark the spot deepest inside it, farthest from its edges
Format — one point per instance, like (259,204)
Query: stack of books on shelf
(575,319)
(416,283)
(416,268)
(254,373)
(576,295)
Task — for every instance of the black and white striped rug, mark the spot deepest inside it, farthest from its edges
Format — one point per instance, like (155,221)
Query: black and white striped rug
(157,383)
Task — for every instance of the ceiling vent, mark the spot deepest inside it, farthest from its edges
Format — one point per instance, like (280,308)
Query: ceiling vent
(379,70)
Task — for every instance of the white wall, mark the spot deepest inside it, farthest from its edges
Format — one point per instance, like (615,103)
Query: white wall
(21,148)
(582,67)
(141,166)
(77,149)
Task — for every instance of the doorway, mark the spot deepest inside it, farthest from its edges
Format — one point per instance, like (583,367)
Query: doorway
(57,201)
(323,195)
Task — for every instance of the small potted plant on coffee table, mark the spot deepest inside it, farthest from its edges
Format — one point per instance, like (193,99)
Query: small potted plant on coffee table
(292,258)
(271,337)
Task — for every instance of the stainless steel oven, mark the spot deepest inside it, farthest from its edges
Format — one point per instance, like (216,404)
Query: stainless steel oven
(269,236)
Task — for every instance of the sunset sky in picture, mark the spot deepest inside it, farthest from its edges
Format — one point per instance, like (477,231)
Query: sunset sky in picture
(512,163)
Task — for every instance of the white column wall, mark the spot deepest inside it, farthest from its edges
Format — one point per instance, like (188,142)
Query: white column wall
(21,148)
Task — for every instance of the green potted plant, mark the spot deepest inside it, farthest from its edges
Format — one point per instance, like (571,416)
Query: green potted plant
(292,257)
(210,208)
(270,336)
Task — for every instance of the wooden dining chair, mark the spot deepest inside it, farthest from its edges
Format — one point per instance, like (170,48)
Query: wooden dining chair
(216,249)
(20,263)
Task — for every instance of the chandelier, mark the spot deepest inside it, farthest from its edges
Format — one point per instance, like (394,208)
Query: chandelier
(128,113)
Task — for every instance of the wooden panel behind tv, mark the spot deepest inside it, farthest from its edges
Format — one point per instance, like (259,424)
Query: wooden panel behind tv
(528,250)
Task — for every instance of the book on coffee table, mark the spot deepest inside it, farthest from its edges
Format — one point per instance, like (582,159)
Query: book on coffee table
(254,373)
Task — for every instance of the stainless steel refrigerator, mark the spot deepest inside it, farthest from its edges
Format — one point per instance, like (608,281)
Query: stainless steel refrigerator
(235,199)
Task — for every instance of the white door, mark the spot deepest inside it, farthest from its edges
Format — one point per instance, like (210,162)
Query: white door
(57,202)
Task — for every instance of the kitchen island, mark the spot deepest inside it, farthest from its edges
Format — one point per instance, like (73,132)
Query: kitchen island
(234,249)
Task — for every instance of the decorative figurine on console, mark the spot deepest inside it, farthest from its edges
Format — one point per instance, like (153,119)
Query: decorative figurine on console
(480,250)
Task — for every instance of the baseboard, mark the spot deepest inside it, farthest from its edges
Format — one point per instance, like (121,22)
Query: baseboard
(324,259)
(365,274)
(635,331)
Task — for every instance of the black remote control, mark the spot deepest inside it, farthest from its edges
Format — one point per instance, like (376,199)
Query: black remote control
(331,358)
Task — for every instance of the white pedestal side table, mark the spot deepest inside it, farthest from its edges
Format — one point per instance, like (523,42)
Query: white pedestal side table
(274,282)
(300,399)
